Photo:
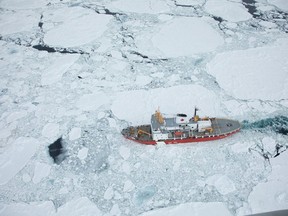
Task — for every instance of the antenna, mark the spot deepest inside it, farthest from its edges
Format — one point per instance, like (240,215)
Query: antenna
(195,111)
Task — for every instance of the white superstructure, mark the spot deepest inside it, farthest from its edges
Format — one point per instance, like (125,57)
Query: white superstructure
(168,127)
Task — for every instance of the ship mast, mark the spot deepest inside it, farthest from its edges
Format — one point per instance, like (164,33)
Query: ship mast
(195,111)
(196,117)
(159,116)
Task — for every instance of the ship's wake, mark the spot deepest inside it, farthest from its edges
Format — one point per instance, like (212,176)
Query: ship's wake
(278,124)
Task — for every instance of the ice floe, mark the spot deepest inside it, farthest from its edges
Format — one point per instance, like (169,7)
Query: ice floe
(187,209)
(79,206)
(140,6)
(282,4)
(257,73)
(189,2)
(45,208)
(82,154)
(227,10)
(81,28)
(56,70)
(16,157)
(273,194)
(222,183)
(180,37)
(23,4)
(75,133)
(92,101)
(19,21)
(41,171)
(51,130)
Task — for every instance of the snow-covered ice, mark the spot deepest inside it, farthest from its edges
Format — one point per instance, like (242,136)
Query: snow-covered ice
(197,209)
(20,21)
(273,194)
(222,183)
(23,4)
(183,36)
(75,133)
(228,10)
(82,28)
(16,156)
(50,130)
(282,4)
(92,101)
(41,171)
(84,70)
(56,70)
(257,73)
(140,6)
(45,208)
(79,206)
(82,154)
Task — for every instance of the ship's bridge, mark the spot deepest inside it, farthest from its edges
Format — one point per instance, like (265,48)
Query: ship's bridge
(162,125)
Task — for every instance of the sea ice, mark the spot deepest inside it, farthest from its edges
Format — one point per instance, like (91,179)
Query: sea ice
(117,85)
(109,193)
(124,152)
(18,21)
(82,154)
(23,4)
(189,2)
(92,101)
(256,73)
(14,116)
(195,209)
(140,6)
(75,133)
(228,10)
(115,210)
(79,206)
(45,208)
(183,36)
(222,183)
(273,194)
(41,171)
(50,130)
(81,28)
(56,70)
(128,186)
(16,156)
(282,4)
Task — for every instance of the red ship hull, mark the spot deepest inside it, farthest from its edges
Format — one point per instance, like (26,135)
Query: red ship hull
(186,140)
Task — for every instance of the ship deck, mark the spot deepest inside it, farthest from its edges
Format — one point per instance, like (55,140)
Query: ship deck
(221,127)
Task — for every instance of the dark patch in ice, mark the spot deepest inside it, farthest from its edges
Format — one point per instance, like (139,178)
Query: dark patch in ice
(108,12)
(145,194)
(4,91)
(218,19)
(183,5)
(80,77)
(279,124)
(261,149)
(57,151)
(35,103)
(40,24)
(58,50)
(102,10)
(139,54)
(250,5)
